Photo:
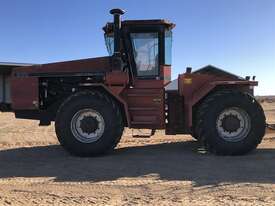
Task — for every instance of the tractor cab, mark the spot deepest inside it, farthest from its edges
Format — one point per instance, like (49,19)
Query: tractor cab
(144,46)
(142,50)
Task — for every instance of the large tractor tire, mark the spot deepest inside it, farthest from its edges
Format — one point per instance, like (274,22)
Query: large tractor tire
(230,122)
(89,123)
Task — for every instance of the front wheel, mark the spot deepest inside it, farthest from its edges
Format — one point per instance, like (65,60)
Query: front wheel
(230,123)
(89,123)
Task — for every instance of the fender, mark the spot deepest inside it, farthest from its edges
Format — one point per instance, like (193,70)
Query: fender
(114,91)
(195,86)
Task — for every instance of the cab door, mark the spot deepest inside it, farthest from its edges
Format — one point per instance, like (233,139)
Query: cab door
(145,97)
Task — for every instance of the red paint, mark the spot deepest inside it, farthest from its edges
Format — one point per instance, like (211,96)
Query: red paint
(24,88)
(100,64)
(24,95)
(117,78)
(165,73)
(145,107)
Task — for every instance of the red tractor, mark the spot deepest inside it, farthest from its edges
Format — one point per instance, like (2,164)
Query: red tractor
(92,100)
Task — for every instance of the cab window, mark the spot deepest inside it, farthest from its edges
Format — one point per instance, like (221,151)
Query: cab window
(109,42)
(146,53)
(168,48)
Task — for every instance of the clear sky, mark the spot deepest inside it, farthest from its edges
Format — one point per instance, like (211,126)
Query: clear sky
(236,35)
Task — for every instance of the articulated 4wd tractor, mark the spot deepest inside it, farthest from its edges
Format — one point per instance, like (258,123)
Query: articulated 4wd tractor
(93,100)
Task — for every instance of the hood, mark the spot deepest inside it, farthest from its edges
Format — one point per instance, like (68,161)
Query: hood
(212,70)
(75,67)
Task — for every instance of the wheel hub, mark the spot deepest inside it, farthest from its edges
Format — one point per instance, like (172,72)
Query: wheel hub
(233,124)
(87,125)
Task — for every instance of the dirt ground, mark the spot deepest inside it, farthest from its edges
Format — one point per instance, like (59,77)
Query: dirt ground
(171,170)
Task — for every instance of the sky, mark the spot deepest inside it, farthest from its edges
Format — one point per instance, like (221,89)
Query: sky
(235,35)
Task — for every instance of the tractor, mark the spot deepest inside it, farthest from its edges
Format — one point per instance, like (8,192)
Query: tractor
(92,100)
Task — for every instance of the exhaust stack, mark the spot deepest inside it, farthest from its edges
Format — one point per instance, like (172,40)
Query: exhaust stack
(117,26)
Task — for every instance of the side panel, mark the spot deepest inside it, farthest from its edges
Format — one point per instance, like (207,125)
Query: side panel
(146,108)
(175,111)
(24,93)
(146,104)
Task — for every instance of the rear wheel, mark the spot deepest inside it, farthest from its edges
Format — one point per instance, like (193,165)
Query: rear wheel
(230,123)
(89,123)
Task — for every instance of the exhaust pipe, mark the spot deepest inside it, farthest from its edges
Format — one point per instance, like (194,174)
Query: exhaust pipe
(117,26)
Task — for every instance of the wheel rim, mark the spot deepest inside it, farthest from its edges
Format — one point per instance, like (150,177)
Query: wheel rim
(87,125)
(233,124)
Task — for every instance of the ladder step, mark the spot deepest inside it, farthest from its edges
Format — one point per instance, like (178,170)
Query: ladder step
(141,122)
(142,95)
(143,109)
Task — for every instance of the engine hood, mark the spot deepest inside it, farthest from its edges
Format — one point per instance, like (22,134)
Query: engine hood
(212,70)
(75,67)
(208,70)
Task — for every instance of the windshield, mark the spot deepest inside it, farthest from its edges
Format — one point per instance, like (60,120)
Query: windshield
(109,41)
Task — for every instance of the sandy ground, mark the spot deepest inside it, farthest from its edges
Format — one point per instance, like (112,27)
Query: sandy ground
(171,170)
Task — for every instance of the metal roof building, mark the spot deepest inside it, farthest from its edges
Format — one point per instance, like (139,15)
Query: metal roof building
(5,67)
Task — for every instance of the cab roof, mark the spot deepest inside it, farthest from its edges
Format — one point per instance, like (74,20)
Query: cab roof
(169,25)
